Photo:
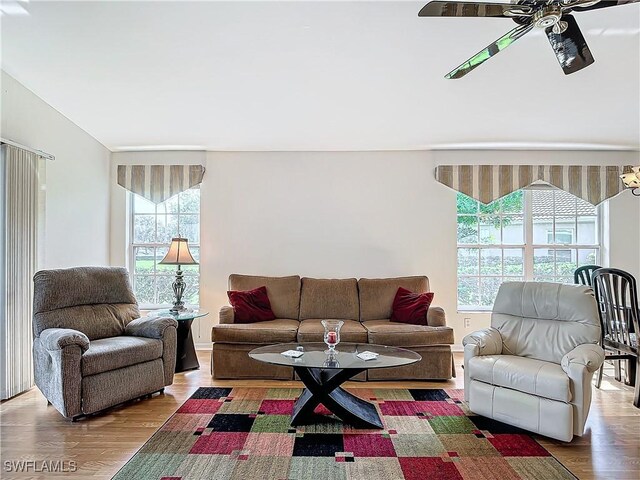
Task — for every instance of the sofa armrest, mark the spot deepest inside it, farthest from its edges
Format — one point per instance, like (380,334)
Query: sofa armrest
(59,338)
(150,327)
(588,355)
(436,317)
(488,341)
(226,314)
(580,364)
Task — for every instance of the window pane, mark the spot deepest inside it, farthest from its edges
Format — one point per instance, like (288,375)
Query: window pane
(513,203)
(144,229)
(143,286)
(543,262)
(142,205)
(542,212)
(588,257)
(468,261)
(165,290)
(513,229)
(171,205)
(143,260)
(490,261)
(587,229)
(192,292)
(488,290)
(465,204)
(161,268)
(491,209)
(190,228)
(565,204)
(568,280)
(490,229)
(566,261)
(167,228)
(544,279)
(513,261)
(467,229)
(512,279)
(564,232)
(468,292)
(190,201)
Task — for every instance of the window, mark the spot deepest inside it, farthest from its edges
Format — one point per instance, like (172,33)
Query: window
(152,227)
(535,234)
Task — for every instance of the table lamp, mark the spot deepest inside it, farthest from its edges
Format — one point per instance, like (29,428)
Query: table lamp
(178,254)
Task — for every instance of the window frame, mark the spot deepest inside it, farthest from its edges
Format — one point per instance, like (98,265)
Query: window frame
(528,247)
(155,245)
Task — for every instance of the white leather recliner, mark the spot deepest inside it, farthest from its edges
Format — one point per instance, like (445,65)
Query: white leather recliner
(533,367)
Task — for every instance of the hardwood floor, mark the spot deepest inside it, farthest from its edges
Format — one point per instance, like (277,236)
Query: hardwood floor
(31,430)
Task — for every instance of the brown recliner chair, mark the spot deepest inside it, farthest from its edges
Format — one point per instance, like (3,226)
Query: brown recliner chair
(91,350)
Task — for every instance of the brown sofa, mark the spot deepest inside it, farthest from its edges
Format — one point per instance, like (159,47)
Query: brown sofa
(301,304)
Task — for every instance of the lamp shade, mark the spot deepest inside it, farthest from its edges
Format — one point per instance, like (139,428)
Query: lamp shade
(631,179)
(178,253)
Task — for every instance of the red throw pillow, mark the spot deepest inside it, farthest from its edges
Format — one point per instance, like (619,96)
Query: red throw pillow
(409,307)
(251,306)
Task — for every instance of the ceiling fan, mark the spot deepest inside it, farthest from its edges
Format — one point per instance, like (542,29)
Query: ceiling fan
(554,16)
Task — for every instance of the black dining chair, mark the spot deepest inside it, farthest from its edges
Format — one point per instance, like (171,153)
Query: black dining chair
(617,297)
(582,275)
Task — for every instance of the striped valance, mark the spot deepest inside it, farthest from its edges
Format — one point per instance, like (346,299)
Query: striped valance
(486,183)
(158,183)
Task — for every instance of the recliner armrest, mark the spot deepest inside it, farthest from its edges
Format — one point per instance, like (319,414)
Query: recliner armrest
(226,314)
(150,327)
(589,355)
(488,341)
(436,317)
(59,338)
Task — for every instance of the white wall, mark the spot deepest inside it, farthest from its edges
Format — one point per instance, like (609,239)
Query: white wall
(343,214)
(77,182)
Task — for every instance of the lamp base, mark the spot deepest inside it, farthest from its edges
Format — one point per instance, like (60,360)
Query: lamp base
(178,289)
(178,308)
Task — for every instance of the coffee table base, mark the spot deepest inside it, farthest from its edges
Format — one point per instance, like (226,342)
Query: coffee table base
(323,386)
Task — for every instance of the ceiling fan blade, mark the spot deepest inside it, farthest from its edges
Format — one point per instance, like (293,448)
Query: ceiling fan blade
(465,9)
(488,52)
(570,47)
(603,4)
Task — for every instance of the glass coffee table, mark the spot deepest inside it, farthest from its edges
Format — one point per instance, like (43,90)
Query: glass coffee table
(323,375)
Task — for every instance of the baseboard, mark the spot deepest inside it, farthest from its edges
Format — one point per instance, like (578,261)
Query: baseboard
(457,348)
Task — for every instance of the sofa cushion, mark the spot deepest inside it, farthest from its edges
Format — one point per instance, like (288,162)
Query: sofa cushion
(377,294)
(117,352)
(528,375)
(386,332)
(283,292)
(251,305)
(409,307)
(272,331)
(311,330)
(329,298)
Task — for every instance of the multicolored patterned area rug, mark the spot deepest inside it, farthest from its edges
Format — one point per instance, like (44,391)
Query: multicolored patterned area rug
(244,433)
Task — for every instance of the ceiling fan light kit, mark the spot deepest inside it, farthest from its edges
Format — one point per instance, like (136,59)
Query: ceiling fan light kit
(554,16)
(631,180)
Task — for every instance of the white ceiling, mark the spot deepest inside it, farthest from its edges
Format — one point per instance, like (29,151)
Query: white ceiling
(319,76)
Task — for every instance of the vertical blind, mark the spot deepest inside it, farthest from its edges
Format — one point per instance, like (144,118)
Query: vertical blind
(21,197)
